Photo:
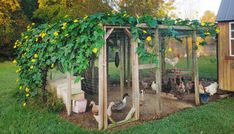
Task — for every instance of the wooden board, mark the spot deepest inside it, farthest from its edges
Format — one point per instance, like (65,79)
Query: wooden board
(226,71)
(135,79)
(158,74)
(195,68)
(102,93)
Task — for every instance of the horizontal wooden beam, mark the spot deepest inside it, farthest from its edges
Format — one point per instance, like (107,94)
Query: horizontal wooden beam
(121,123)
(160,27)
(229,58)
(147,66)
(116,26)
(175,27)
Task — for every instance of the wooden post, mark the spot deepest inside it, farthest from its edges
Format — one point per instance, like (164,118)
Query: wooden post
(195,68)
(69,91)
(158,76)
(135,78)
(163,55)
(187,51)
(102,96)
(121,67)
(129,62)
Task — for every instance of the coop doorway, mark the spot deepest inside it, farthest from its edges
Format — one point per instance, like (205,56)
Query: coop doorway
(120,107)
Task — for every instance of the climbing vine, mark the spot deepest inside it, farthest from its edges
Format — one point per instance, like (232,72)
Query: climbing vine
(70,44)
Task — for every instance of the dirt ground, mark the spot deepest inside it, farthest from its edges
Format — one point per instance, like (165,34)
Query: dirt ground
(170,104)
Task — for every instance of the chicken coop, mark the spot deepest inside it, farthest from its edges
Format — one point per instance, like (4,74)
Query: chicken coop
(121,86)
(225,48)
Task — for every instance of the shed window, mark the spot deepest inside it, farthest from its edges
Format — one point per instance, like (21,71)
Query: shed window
(231,45)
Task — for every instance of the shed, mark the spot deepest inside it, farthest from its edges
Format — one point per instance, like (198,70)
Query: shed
(225,19)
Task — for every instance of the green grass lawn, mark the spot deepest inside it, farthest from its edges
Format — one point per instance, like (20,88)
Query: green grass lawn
(215,117)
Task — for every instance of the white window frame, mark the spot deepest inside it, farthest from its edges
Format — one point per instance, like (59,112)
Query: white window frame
(230,38)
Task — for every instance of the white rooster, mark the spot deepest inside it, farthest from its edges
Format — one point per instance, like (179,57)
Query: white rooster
(154,87)
(212,88)
(173,61)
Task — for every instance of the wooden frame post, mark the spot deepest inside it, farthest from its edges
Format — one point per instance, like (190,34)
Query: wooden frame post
(187,51)
(135,78)
(69,91)
(102,90)
(163,48)
(195,68)
(122,71)
(158,73)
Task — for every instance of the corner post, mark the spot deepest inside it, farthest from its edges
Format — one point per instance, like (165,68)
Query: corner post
(195,68)
(135,78)
(102,89)
(158,74)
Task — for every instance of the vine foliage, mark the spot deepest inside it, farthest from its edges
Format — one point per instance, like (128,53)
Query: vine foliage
(71,43)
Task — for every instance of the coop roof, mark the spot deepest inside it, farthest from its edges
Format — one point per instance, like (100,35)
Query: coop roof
(226,11)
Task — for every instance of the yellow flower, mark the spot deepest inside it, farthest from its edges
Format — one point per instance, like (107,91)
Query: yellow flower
(33,60)
(113,11)
(149,38)
(64,25)
(52,66)
(85,17)
(42,34)
(18,70)
(14,61)
(95,50)
(25,37)
(31,67)
(137,16)
(33,24)
(203,24)
(56,34)
(27,89)
(207,33)
(27,95)
(76,20)
(35,55)
(20,87)
(217,30)
(16,42)
(169,49)
(36,39)
(24,104)
(14,46)
(144,31)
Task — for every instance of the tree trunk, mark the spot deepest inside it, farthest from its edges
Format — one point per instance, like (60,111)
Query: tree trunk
(44,80)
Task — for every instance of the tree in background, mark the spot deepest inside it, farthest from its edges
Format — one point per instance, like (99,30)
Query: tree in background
(12,23)
(53,10)
(140,7)
(166,9)
(16,14)
(28,7)
(208,16)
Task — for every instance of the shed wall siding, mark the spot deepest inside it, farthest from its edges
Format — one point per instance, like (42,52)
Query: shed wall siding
(226,71)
